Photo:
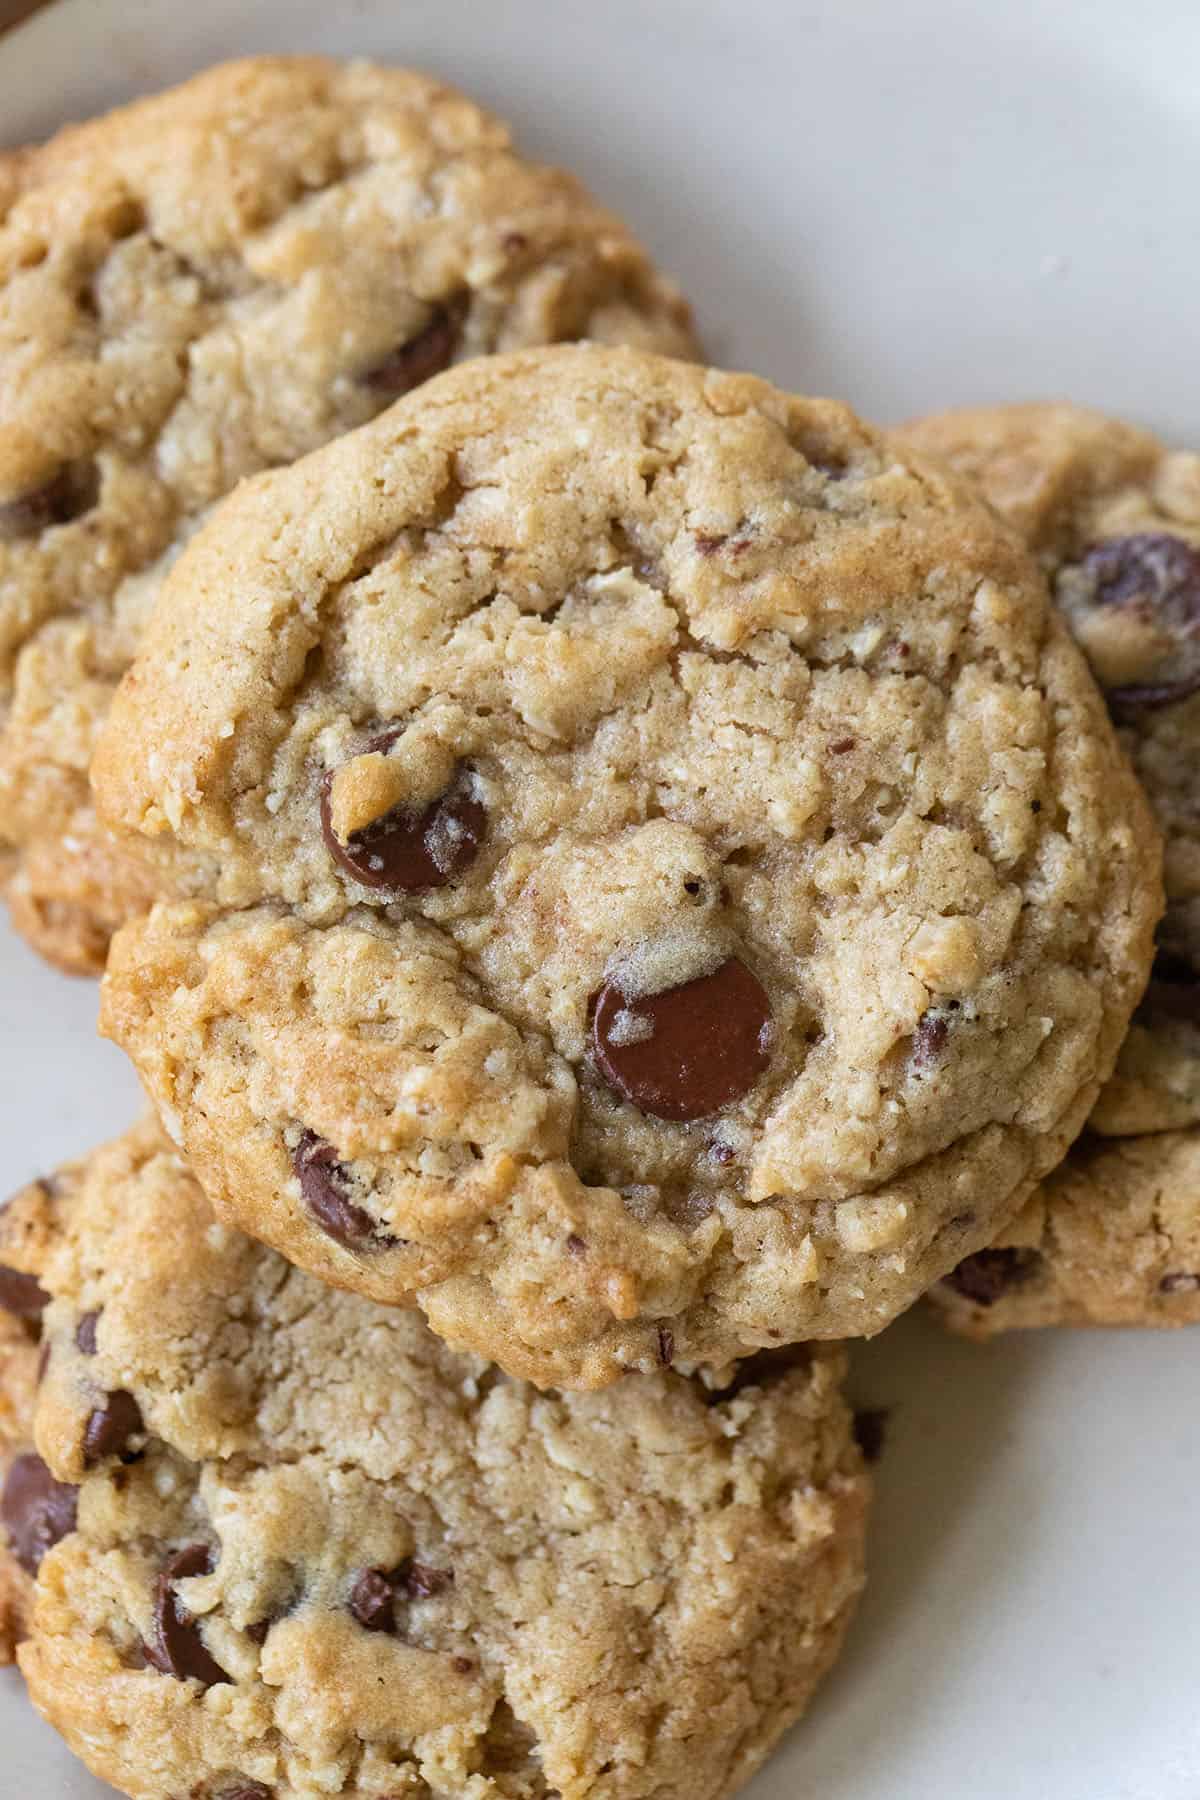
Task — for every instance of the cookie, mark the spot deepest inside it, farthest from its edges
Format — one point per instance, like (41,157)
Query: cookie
(678,885)
(1114,518)
(22,1301)
(209,283)
(316,1553)
(1111,1238)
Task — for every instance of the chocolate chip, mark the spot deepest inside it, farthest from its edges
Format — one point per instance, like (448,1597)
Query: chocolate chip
(693,1049)
(988,1274)
(841,745)
(37,1511)
(177,1648)
(666,1346)
(870,1431)
(85,1334)
(422,1582)
(110,1427)
(1146,569)
(323,1183)
(407,852)
(257,1633)
(427,353)
(929,1039)
(373,1600)
(1179,1282)
(760,1370)
(21,1294)
(70,493)
(1157,576)
(245,1790)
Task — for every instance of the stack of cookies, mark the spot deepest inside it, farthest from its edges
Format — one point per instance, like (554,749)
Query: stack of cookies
(614,878)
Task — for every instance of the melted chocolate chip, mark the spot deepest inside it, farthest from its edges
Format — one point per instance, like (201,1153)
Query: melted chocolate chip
(177,1648)
(37,1511)
(692,1049)
(1149,570)
(870,1431)
(85,1334)
(110,1427)
(427,353)
(760,1370)
(929,1040)
(989,1274)
(21,1294)
(1157,576)
(1180,1281)
(407,852)
(323,1183)
(373,1600)
(70,493)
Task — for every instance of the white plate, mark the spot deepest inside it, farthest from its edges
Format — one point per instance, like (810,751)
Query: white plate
(908,204)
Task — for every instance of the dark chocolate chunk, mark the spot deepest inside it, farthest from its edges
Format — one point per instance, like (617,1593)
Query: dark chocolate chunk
(373,1600)
(177,1648)
(66,496)
(21,1294)
(929,1039)
(1180,1281)
(1156,575)
(989,1274)
(110,1427)
(407,852)
(688,1051)
(85,1334)
(323,1183)
(37,1511)
(426,353)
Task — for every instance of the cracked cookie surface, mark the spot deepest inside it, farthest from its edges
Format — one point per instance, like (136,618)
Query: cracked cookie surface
(1113,515)
(315,1553)
(208,283)
(677,880)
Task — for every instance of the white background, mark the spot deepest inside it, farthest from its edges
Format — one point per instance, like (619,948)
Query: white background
(908,203)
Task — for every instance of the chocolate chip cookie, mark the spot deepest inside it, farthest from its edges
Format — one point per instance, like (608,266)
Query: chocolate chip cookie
(1114,517)
(1111,1238)
(312,1552)
(678,885)
(23,1480)
(205,284)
